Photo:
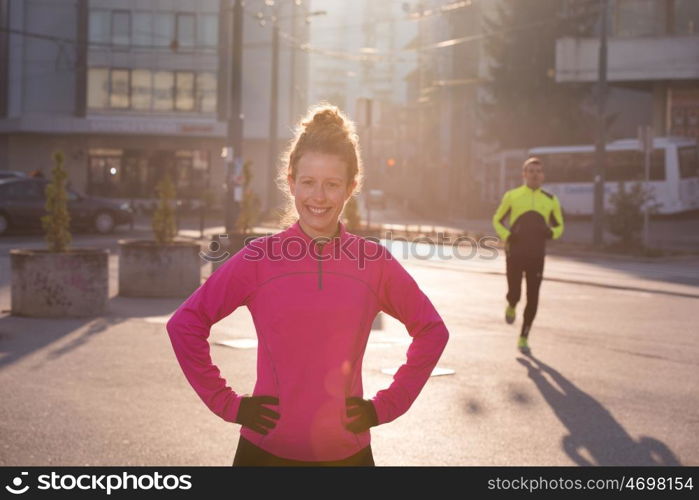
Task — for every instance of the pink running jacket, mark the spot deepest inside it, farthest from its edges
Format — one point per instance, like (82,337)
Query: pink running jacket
(313,309)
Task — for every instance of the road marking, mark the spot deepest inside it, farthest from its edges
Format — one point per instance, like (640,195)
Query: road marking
(157,319)
(435,373)
(238,343)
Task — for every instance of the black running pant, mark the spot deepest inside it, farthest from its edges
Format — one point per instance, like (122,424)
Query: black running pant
(533,268)
(248,454)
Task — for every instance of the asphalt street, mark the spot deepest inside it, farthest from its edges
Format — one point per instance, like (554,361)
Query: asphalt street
(611,380)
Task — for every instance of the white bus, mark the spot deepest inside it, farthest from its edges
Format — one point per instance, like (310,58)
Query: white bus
(674,173)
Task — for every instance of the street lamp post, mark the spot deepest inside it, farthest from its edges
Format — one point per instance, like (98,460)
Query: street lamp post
(273,116)
(598,214)
(235,117)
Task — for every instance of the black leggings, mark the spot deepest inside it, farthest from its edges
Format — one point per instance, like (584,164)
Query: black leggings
(533,268)
(248,454)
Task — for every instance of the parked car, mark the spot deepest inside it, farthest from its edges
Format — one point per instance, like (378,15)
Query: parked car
(22,204)
(376,199)
(12,174)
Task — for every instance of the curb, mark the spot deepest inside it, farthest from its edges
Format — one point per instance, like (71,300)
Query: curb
(578,282)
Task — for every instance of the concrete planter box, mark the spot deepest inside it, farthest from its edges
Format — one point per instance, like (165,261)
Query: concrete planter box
(149,269)
(233,244)
(55,285)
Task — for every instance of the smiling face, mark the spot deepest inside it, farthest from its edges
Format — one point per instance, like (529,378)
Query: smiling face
(320,191)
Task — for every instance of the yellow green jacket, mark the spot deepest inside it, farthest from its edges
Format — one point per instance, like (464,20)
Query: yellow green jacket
(533,216)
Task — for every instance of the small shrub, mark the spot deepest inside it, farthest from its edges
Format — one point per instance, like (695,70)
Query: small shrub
(250,206)
(56,223)
(163,221)
(625,219)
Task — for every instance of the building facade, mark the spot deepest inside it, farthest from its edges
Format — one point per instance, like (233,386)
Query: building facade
(357,57)
(653,66)
(130,90)
(442,98)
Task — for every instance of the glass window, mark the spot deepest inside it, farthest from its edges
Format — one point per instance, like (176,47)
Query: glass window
(30,189)
(142,29)
(657,165)
(182,175)
(121,27)
(185,30)
(553,169)
(141,89)
(568,167)
(639,18)
(99,27)
(163,90)
(686,17)
(98,88)
(119,89)
(581,167)
(184,98)
(689,162)
(163,29)
(103,176)
(624,166)
(15,190)
(207,31)
(630,166)
(206,92)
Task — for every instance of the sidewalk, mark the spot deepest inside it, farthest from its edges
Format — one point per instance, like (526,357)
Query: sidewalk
(679,235)
(567,262)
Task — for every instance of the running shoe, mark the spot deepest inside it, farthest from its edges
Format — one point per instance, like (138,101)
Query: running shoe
(523,345)
(510,314)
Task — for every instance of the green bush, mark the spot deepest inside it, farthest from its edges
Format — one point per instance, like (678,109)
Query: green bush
(625,219)
(163,222)
(250,206)
(56,223)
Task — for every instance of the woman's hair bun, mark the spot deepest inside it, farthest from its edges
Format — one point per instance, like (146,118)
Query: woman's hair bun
(326,117)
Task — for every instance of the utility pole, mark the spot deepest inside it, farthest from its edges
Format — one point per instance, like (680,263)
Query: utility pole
(273,116)
(598,214)
(292,63)
(645,140)
(370,156)
(421,105)
(235,116)
(81,50)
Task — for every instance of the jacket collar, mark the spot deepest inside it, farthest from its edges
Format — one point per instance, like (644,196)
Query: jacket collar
(340,235)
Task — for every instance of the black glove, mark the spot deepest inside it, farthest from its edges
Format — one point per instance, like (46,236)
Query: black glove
(549,233)
(365,411)
(251,413)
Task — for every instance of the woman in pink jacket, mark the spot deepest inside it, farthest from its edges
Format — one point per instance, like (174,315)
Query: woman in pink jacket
(313,291)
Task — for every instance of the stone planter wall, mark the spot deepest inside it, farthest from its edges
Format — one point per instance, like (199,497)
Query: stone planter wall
(67,284)
(233,244)
(148,269)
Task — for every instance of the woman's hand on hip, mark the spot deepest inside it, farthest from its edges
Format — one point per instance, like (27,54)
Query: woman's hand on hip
(253,415)
(365,412)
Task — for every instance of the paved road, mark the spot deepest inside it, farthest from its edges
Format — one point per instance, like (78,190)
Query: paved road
(679,233)
(612,380)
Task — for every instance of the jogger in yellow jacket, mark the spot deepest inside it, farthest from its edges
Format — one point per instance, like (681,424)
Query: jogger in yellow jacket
(533,216)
